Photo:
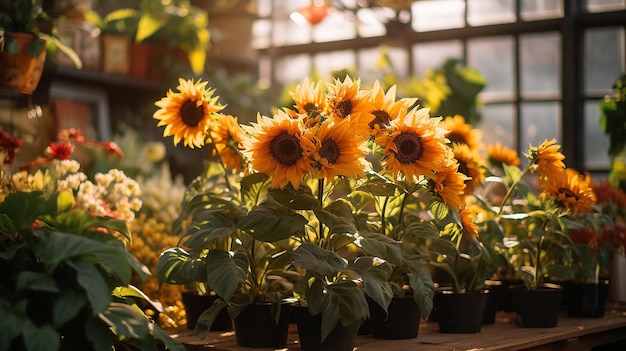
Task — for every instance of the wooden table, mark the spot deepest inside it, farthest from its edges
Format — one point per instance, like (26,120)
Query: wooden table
(504,334)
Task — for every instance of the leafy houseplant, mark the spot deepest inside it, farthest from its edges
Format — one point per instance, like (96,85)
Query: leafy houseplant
(24,16)
(66,272)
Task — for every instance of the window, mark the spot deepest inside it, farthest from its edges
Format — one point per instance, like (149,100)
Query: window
(547,62)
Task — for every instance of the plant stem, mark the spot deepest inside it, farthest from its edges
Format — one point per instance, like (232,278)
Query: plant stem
(320,198)
(512,188)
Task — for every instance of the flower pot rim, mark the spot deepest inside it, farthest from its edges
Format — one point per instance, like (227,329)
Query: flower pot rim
(542,287)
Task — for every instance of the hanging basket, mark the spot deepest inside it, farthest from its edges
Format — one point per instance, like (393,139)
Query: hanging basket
(19,71)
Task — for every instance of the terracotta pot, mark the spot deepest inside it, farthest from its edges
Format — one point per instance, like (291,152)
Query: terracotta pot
(20,71)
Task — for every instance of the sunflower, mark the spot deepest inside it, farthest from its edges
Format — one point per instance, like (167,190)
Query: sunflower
(415,145)
(449,184)
(571,190)
(310,100)
(460,132)
(228,136)
(279,147)
(467,219)
(498,154)
(340,153)
(347,101)
(186,114)
(386,108)
(469,165)
(547,159)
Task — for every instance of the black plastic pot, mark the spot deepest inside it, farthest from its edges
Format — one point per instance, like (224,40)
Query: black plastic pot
(401,321)
(460,312)
(587,300)
(539,307)
(495,293)
(196,304)
(256,327)
(310,333)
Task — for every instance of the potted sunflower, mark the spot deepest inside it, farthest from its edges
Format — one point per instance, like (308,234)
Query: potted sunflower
(296,198)
(533,223)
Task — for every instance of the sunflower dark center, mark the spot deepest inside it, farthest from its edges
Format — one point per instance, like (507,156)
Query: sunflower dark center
(568,193)
(330,151)
(457,138)
(310,108)
(286,149)
(191,114)
(344,108)
(463,168)
(410,147)
(381,119)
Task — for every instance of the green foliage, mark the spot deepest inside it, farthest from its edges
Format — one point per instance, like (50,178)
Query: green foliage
(61,270)
(613,117)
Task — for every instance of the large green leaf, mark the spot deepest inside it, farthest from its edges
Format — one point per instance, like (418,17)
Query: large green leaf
(10,323)
(375,274)
(211,227)
(295,199)
(176,266)
(40,338)
(377,185)
(314,258)
(444,248)
(128,322)
(224,273)
(380,245)
(342,301)
(34,281)
(422,230)
(66,307)
(59,247)
(24,207)
(92,281)
(421,283)
(272,222)
(337,216)
(99,334)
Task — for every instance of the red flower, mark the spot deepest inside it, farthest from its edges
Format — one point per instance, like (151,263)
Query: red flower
(60,151)
(112,148)
(10,146)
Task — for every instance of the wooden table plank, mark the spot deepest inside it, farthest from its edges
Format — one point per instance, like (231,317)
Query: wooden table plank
(504,334)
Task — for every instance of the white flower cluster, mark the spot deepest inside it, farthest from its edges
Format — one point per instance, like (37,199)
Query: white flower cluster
(162,196)
(113,194)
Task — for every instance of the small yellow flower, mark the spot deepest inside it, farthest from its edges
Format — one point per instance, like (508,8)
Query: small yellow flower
(548,159)
(498,154)
(460,132)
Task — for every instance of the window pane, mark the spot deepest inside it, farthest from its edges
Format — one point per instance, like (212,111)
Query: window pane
(493,58)
(326,63)
(596,142)
(293,68)
(540,66)
(369,69)
(540,9)
(539,121)
(261,30)
(288,32)
(605,5)
(481,12)
(603,58)
(334,27)
(437,14)
(498,124)
(368,24)
(430,55)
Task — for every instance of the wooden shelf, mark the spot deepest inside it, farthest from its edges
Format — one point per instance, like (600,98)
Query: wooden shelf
(504,334)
